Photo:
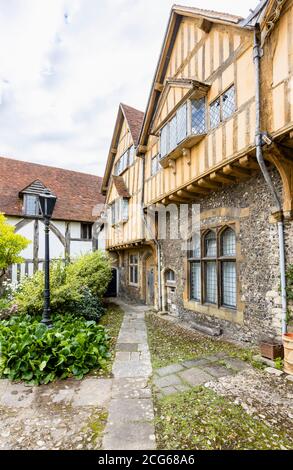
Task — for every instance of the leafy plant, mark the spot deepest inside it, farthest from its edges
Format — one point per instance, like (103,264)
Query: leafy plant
(75,288)
(37,355)
(11,244)
(89,306)
(92,270)
(279,363)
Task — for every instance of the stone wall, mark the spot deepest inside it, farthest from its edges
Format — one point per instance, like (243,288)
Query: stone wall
(258,266)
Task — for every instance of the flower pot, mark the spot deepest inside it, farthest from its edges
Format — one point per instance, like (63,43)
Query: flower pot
(271,350)
(288,353)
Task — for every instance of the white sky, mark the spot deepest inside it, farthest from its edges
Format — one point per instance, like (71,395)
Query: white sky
(65,65)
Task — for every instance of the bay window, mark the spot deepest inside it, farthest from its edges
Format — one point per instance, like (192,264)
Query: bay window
(184,128)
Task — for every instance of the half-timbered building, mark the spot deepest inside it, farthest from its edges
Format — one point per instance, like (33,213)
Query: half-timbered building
(79,203)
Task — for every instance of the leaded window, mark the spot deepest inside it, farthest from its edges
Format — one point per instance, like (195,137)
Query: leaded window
(223,107)
(228,268)
(181,123)
(195,267)
(173,134)
(198,116)
(212,268)
(228,103)
(215,113)
(164,144)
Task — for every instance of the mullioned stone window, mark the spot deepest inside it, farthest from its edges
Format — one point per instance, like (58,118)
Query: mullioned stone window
(212,260)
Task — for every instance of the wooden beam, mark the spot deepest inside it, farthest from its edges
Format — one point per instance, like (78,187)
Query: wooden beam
(185,194)
(159,87)
(175,198)
(194,188)
(205,183)
(114,151)
(187,155)
(172,164)
(220,178)
(241,173)
(205,25)
(142,149)
(248,162)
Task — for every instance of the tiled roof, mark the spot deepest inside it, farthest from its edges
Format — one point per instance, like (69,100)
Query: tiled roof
(213,15)
(134,118)
(120,186)
(77,193)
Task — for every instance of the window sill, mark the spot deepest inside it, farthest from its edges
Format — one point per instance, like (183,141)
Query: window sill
(224,313)
(134,285)
(188,142)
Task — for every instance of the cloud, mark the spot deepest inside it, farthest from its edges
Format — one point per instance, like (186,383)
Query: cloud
(66,65)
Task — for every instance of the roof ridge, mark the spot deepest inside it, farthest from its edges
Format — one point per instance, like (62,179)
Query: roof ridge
(2,157)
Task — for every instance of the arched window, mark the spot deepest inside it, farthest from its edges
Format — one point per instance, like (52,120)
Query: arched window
(228,268)
(210,267)
(194,266)
(170,276)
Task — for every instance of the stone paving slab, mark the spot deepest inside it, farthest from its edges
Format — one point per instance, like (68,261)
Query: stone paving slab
(195,363)
(217,371)
(167,381)
(129,347)
(132,369)
(124,410)
(93,392)
(18,396)
(236,364)
(172,369)
(130,436)
(195,376)
(131,388)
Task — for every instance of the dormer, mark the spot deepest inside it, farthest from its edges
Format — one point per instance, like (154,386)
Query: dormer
(30,197)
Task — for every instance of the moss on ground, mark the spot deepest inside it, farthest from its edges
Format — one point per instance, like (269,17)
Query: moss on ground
(93,431)
(200,419)
(112,321)
(172,345)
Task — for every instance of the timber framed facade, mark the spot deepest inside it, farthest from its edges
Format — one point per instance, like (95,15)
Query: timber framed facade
(197,145)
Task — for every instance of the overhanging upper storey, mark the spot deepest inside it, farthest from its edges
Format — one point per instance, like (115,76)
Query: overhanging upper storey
(186,123)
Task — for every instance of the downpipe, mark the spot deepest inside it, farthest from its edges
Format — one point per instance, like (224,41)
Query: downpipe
(259,156)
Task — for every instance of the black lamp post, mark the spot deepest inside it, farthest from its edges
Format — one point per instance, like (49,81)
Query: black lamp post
(47,203)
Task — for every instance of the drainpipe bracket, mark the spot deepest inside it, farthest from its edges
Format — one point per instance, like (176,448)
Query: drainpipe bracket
(277,214)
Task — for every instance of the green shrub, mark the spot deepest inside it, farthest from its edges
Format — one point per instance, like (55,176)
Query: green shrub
(92,270)
(78,287)
(89,307)
(37,355)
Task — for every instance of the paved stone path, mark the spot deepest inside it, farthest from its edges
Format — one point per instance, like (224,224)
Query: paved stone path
(181,377)
(130,421)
